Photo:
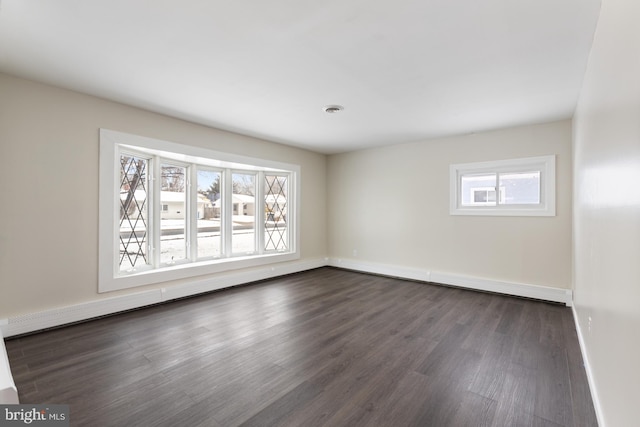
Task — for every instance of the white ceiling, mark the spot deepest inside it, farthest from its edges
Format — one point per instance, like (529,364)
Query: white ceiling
(404,70)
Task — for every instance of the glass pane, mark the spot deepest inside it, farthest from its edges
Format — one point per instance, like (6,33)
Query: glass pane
(275,209)
(173,246)
(478,190)
(133,212)
(522,188)
(243,239)
(209,209)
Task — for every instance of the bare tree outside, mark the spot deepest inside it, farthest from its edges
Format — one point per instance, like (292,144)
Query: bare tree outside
(173,178)
(244,184)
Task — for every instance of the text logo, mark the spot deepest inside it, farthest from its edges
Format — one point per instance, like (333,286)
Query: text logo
(34,415)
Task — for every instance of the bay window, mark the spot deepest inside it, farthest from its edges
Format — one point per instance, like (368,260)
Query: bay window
(170,211)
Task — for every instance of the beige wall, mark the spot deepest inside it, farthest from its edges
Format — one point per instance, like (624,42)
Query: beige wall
(607,212)
(391,205)
(49,187)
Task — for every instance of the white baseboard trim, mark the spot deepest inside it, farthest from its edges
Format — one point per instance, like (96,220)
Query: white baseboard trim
(587,367)
(382,269)
(33,322)
(51,318)
(227,280)
(8,390)
(37,321)
(564,296)
(546,293)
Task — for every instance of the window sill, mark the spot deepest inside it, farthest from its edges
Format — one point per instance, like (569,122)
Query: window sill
(183,271)
(502,212)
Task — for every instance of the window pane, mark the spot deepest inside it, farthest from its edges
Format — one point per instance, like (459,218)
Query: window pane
(172,220)
(275,208)
(243,213)
(133,212)
(521,188)
(478,190)
(209,208)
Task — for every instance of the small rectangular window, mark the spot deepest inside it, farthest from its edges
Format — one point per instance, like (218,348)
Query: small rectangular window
(518,187)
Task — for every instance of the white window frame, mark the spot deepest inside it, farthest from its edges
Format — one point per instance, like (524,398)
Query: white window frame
(546,165)
(194,232)
(110,278)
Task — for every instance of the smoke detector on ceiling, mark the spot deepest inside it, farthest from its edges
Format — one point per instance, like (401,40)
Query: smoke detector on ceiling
(332,109)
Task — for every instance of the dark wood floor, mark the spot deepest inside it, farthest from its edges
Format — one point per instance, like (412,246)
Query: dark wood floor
(326,347)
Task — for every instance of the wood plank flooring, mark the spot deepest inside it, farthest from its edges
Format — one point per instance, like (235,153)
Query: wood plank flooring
(326,347)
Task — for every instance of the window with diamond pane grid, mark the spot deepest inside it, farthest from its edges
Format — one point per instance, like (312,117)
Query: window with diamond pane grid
(171,211)
(133,212)
(275,206)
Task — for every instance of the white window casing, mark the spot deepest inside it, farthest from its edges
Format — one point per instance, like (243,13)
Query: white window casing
(473,187)
(114,277)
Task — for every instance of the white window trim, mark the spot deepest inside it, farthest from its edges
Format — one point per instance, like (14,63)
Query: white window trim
(109,276)
(545,164)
